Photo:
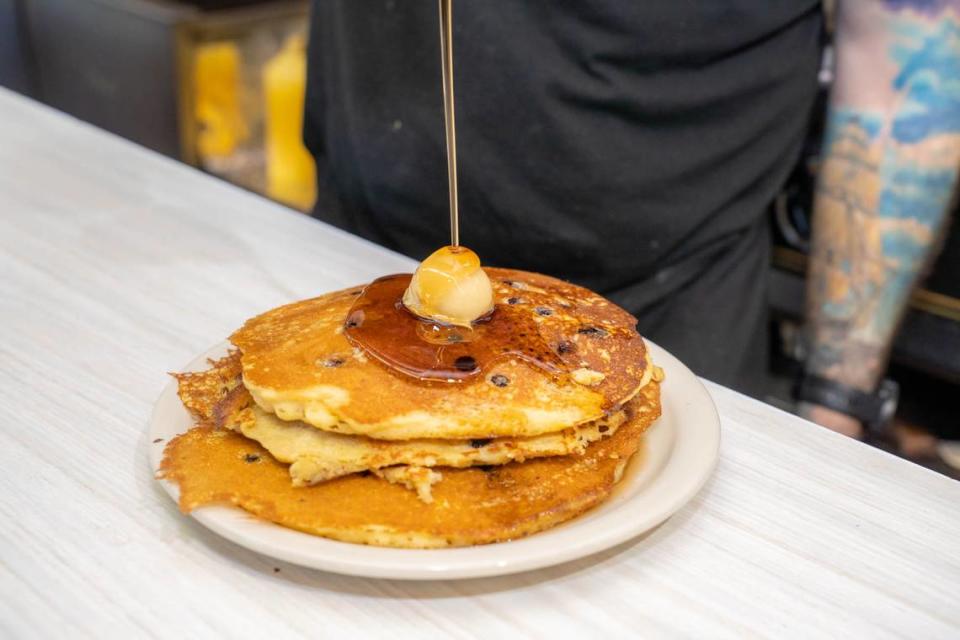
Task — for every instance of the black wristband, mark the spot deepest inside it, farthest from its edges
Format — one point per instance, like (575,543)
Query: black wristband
(874,410)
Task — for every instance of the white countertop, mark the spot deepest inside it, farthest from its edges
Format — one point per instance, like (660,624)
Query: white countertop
(118,265)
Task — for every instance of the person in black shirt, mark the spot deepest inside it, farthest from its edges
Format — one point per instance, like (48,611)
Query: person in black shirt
(629,147)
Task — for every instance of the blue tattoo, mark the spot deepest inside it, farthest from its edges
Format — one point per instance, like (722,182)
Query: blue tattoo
(884,191)
(914,196)
(914,192)
(842,120)
(930,77)
(926,7)
(898,286)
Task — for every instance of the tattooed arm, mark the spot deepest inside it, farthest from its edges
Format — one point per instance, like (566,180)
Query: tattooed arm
(891,155)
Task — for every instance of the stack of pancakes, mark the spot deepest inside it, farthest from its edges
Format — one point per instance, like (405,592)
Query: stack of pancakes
(302,427)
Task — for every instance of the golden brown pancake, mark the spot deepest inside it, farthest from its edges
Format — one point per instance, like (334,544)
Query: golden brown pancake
(470,506)
(316,455)
(298,364)
(201,391)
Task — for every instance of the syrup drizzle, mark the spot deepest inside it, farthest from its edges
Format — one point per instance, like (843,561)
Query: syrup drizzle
(449,120)
(379,324)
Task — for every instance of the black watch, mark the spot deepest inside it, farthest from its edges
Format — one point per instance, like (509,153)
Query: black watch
(875,410)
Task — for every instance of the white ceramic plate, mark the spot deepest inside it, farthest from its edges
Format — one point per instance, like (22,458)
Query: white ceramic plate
(678,454)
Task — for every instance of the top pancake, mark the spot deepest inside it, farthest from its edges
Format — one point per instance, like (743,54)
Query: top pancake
(298,364)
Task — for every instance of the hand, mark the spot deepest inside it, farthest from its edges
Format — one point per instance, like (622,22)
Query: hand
(833,420)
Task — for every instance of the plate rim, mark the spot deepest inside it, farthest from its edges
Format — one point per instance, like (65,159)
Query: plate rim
(527,554)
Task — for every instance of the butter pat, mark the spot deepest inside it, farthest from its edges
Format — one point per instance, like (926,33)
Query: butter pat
(450,287)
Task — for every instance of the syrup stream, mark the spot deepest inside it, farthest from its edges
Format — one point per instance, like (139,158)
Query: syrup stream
(446,64)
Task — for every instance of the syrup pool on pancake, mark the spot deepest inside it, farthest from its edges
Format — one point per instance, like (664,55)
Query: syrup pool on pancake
(442,324)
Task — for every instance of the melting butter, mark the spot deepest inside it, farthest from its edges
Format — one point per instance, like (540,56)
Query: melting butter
(450,287)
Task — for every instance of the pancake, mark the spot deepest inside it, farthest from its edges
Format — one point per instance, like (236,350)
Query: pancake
(298,364)
(201,391)
(469,506)
(418,479)
(316,455)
